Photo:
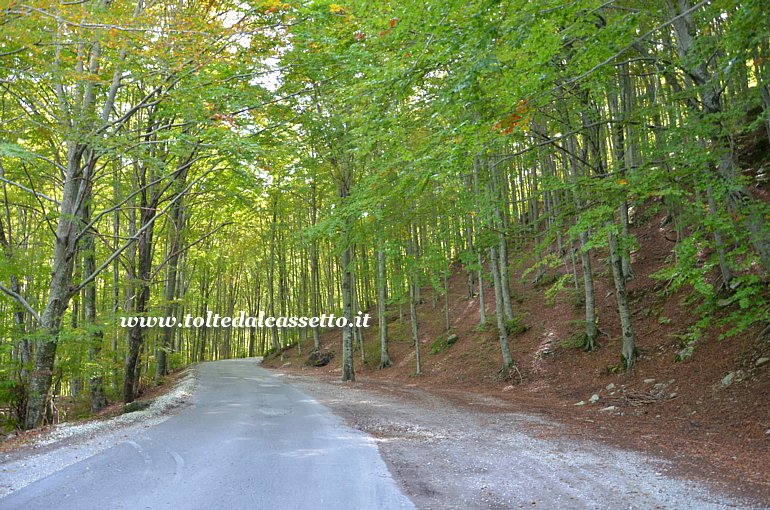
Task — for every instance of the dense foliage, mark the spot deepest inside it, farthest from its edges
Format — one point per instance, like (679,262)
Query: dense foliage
(167,158)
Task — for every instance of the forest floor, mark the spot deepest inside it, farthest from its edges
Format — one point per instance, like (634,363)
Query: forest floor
(707,415)
(454,449)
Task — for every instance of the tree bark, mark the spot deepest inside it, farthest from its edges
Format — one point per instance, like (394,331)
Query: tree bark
(51,319)
(629,349)
(502,333)
(271,278)
(382,296)
(414,297)
(176,227)
(96,335)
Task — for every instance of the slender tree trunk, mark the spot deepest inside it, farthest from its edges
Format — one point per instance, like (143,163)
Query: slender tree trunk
(591,331)
(629,349)
(414,298)
(348,372)
(314,284)
(271,279)
(96,382)
(469,240)
(176,226)
(502,333)
(480,276)
(447,325)
(382,296)
(136,333)
(630,159)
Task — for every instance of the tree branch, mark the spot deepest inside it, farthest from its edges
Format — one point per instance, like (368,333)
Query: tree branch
(23,302)
(133,238)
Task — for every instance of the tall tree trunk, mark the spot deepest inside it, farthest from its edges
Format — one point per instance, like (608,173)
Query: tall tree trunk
(382,296)
(96,335)
(346,261)
(502,251)
(271,278)
(480,276)
(469,238)
(591,331)
(348,373)
(630,159)
(136,333)
(59,296)
(629,349)
(176,227)
(502,333)
(314,274)
(414,298)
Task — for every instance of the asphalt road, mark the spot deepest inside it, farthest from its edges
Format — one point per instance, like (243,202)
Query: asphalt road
(249,441)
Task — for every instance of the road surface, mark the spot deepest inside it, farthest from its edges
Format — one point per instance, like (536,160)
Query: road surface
(249,441)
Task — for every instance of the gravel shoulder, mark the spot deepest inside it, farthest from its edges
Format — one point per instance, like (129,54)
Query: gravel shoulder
(67,443)
(484,455)
(444,450)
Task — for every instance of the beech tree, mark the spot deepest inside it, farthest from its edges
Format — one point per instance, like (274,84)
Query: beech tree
(160,159)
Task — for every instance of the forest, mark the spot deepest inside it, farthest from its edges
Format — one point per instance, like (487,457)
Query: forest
(173,157)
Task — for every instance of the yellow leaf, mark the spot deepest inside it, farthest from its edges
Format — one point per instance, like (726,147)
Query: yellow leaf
(336,9)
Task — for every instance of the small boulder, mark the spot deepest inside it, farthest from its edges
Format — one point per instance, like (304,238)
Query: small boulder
(611,386)
(319,359)
(727,380)
(594,398)
(649,381)
(761,362)
(581,403)
(608,408)
(136,405)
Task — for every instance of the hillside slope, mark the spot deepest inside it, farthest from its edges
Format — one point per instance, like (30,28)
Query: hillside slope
(686,410)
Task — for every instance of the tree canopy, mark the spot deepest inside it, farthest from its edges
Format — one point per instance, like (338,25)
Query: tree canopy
(172,157)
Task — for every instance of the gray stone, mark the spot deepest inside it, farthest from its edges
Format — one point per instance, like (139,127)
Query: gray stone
(594,398)
(761,362)
(649,381)
(611,386)
(608,408)
(727,380)
(136,405)
(581,403)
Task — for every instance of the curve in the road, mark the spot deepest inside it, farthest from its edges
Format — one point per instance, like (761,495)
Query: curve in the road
(250,441)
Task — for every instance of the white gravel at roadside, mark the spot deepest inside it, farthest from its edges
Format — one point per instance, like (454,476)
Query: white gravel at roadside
(446,456)
(68,443)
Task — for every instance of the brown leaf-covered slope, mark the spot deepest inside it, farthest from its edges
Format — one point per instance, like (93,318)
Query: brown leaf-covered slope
(680,410)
